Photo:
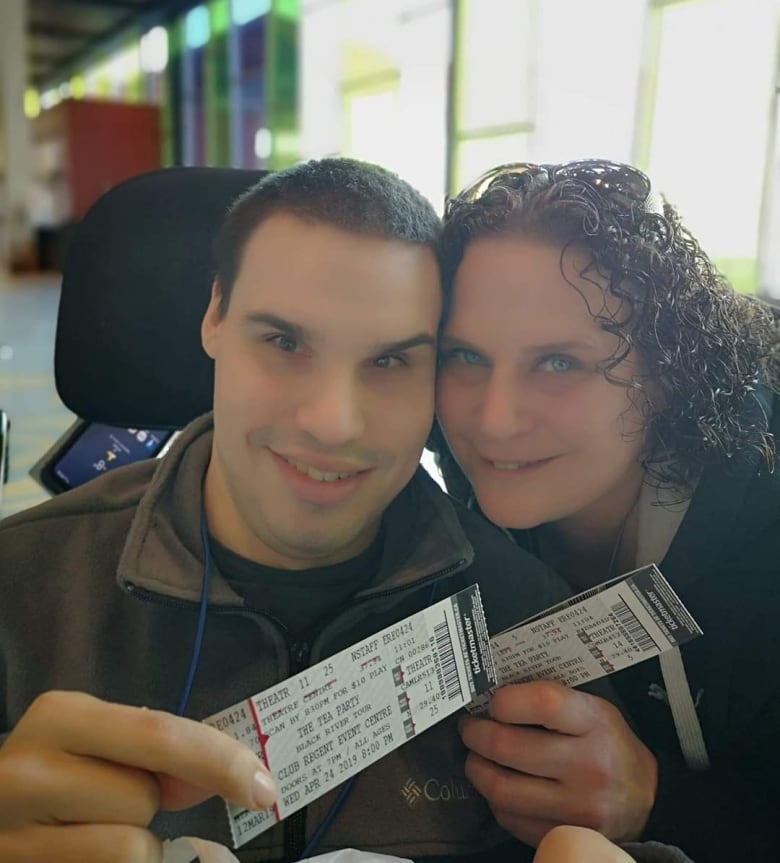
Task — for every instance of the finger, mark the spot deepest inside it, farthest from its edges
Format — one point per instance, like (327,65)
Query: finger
(176,795)
(53,787)
(532,750)
(80,843)
(186,750)
(546,703)
(509,791)
(520,794)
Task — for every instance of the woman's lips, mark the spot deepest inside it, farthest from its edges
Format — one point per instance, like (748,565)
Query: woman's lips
(516,467)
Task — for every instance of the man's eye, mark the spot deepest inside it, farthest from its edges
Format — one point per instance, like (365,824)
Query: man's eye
(283,342)
(390,361)
(465,356)
(558,363)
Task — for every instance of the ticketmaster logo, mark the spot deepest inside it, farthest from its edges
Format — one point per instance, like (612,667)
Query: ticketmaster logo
(436,790)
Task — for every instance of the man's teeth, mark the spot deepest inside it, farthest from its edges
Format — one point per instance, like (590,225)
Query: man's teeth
(322,476)
(511,465)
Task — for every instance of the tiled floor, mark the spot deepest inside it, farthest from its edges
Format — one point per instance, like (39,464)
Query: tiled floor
(28,314)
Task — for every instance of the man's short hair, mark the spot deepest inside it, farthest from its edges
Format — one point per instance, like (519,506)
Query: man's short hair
(349,194)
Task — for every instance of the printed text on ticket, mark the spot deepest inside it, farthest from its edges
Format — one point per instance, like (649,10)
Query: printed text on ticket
(608,628)
(329,722)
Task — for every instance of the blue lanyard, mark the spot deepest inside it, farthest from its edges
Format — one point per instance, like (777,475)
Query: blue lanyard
(195,659)
(204,601)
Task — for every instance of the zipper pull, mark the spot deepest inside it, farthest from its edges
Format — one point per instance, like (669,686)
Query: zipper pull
(300,655)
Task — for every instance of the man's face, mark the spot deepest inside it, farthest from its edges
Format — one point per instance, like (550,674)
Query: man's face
(323,397)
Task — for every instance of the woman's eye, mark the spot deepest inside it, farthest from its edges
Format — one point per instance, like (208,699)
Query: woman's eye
(283,342)
(465,356)
(557,364)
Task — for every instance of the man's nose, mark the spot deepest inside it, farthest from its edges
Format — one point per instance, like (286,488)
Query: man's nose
(507,407)
(332,410)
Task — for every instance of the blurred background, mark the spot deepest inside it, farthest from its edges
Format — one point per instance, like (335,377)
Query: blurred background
(95,91)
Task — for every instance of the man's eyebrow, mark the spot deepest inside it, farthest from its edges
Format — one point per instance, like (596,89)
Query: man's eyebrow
(301,334)
(408,344)
(277,323)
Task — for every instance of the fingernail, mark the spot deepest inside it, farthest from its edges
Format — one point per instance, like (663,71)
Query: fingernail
(263,790)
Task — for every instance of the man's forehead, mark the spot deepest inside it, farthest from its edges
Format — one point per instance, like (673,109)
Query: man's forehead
(328,284)
(326,263)
(283,231)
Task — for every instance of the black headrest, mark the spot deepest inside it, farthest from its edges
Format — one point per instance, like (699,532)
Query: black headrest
(136,281)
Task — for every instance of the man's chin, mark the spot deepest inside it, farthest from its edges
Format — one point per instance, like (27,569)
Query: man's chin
(307,545)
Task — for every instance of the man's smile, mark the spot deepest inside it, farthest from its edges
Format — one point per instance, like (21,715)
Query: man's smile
(322,474)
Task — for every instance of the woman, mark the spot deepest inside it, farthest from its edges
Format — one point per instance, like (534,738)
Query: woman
(612,401)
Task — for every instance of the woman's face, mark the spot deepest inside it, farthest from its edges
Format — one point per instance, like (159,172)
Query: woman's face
(540,433)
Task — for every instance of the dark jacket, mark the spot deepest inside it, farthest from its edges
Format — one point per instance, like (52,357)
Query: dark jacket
(99,594)
(724,562)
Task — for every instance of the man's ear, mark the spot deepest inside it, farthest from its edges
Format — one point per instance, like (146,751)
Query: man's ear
(209,328)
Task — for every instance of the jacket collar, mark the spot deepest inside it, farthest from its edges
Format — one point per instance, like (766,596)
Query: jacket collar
(163,552)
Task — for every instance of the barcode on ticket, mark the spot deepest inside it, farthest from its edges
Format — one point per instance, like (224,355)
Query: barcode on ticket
(632,627)
(318,728)
(447,668)
(625,621)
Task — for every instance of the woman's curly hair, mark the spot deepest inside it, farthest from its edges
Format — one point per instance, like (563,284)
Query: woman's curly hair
(704,348)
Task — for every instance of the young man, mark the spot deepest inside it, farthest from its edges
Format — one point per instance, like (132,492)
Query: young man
(319,530)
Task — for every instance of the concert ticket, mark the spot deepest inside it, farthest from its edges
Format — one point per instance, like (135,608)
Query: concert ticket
(318,728)
(322,726)
(610,627)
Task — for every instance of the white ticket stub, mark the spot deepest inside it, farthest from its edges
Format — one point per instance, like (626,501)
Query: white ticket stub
(318,728)
(610,627)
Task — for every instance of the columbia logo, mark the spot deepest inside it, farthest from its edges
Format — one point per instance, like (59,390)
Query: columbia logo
(411,792)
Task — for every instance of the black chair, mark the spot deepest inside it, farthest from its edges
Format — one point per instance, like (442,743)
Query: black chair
(136,282)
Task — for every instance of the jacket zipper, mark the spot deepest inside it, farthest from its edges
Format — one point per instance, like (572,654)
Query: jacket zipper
(300,656)
(295,842)
(298,653)
(295,824)
(448,570)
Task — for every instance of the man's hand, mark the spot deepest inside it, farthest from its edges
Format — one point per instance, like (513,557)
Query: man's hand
(551,755)
(578,845)
(80,779)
